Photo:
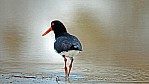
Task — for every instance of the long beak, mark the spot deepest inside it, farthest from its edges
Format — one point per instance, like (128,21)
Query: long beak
(50,29)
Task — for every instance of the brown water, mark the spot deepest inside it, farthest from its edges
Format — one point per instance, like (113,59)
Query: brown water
(114,34)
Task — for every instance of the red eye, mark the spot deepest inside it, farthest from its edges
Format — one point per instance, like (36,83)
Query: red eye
(52,24)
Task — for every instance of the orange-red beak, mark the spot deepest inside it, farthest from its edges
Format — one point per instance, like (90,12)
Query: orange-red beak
(50,29)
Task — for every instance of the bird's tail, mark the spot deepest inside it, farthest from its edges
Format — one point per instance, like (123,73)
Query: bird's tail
(75,47)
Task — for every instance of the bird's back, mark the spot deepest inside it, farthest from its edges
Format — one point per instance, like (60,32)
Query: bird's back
(66,42)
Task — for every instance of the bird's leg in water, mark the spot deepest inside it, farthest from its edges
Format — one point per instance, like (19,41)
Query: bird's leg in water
(70,66)
(65,60)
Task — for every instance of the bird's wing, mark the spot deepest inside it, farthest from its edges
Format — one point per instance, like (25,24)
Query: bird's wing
(76,43)
(66,43)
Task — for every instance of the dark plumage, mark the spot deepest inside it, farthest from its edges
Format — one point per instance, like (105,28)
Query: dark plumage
(67,42)
(64,41)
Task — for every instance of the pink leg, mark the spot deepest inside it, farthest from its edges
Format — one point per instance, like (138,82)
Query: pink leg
(66,71)
(70,66)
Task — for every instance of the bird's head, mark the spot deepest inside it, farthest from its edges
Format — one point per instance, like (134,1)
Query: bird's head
(57,27)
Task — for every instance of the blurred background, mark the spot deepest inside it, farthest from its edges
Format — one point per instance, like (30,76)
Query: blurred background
(114,35)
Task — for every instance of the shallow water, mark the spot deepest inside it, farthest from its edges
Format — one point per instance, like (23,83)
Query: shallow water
(114,35)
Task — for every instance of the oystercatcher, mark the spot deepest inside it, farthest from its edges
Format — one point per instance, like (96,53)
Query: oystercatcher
(65,44)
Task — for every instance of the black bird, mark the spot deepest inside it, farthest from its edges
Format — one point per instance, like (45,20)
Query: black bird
(66,45)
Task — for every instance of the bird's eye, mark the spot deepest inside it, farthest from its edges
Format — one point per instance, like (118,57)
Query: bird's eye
(52,24)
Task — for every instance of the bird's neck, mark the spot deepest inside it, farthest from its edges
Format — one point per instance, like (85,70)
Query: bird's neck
(61,34)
